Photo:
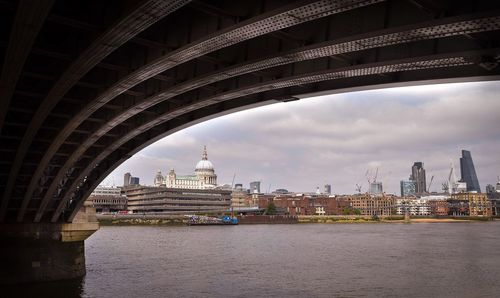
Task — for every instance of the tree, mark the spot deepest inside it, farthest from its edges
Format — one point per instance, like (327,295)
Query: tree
(271,209)
(357,211)
(346,211)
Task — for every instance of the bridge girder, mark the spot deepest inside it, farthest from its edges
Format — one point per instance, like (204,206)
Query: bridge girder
(147,76)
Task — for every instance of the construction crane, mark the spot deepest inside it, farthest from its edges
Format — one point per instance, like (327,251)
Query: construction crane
(232,183)
(452,179)
(430,183)
(358,187)
(445,187)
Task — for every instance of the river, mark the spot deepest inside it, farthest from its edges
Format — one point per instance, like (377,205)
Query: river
(304,260)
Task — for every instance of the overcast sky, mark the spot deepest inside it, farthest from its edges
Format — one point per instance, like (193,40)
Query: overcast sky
(335,139)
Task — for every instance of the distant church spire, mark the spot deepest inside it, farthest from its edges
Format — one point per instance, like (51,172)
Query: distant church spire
(204,156)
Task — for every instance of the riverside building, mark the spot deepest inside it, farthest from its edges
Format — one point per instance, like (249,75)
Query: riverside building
(176,194)
(415,207)
(477,203)
(382,205)
(494,198)
(164,200)
(301,204)
(432,205)
(107,199)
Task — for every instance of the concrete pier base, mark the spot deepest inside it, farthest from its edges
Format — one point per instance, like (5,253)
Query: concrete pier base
(38,252)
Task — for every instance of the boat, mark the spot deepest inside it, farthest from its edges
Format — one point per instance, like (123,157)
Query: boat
(196,220)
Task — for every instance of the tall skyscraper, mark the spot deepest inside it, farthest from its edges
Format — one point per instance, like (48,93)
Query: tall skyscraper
(418,176)
(129,180)
(126,179)
(468,172)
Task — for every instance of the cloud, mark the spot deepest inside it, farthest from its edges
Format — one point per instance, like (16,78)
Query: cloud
(334,139)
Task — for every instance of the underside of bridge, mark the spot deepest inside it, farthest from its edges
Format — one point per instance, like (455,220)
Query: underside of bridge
(86,84)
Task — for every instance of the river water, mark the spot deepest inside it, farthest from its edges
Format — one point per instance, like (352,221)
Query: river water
(305,260)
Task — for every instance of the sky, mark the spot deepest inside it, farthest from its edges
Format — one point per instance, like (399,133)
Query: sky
(336,139)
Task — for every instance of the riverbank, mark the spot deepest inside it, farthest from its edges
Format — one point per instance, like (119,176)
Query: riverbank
(387,219)
(141,220)
(181,220)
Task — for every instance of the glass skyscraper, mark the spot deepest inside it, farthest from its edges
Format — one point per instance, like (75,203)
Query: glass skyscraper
(418,176)
(407,188)
(468,172)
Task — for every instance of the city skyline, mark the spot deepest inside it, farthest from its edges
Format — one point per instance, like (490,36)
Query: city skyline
(334,139)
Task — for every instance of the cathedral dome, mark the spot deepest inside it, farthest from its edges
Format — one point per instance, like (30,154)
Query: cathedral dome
(204,164)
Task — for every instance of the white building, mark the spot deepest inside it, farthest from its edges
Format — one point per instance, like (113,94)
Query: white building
(204,176)
(416,207)
(107,199)
(106,191)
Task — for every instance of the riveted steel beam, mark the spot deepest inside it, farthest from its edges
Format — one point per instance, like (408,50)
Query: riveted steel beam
(284,17)
(406,65)
(29,19)
(429,30)
(105,168)
(132,24)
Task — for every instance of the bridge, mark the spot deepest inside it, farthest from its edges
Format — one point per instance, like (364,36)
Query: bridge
(84,85)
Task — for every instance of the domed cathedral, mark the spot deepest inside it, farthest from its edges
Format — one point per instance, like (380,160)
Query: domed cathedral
(204,177)
(205,170)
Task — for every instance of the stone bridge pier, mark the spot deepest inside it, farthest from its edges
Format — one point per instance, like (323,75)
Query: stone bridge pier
(45,251)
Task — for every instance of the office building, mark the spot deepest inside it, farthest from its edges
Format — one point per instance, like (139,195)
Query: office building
(418,176)
(128,180)
(107,199)
(328,189)
(408,188)
(255,187)
(376,188)
(163,200)
(468,172)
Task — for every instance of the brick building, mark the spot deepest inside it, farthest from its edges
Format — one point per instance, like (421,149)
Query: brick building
(439,207)
(367,204)
(477,203)
(304,204)
(494,198)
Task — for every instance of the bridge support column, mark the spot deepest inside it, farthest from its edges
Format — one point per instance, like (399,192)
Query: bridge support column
(43,252)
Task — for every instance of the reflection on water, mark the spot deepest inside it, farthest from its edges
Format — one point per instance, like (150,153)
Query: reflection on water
(69,288)
(306,260)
